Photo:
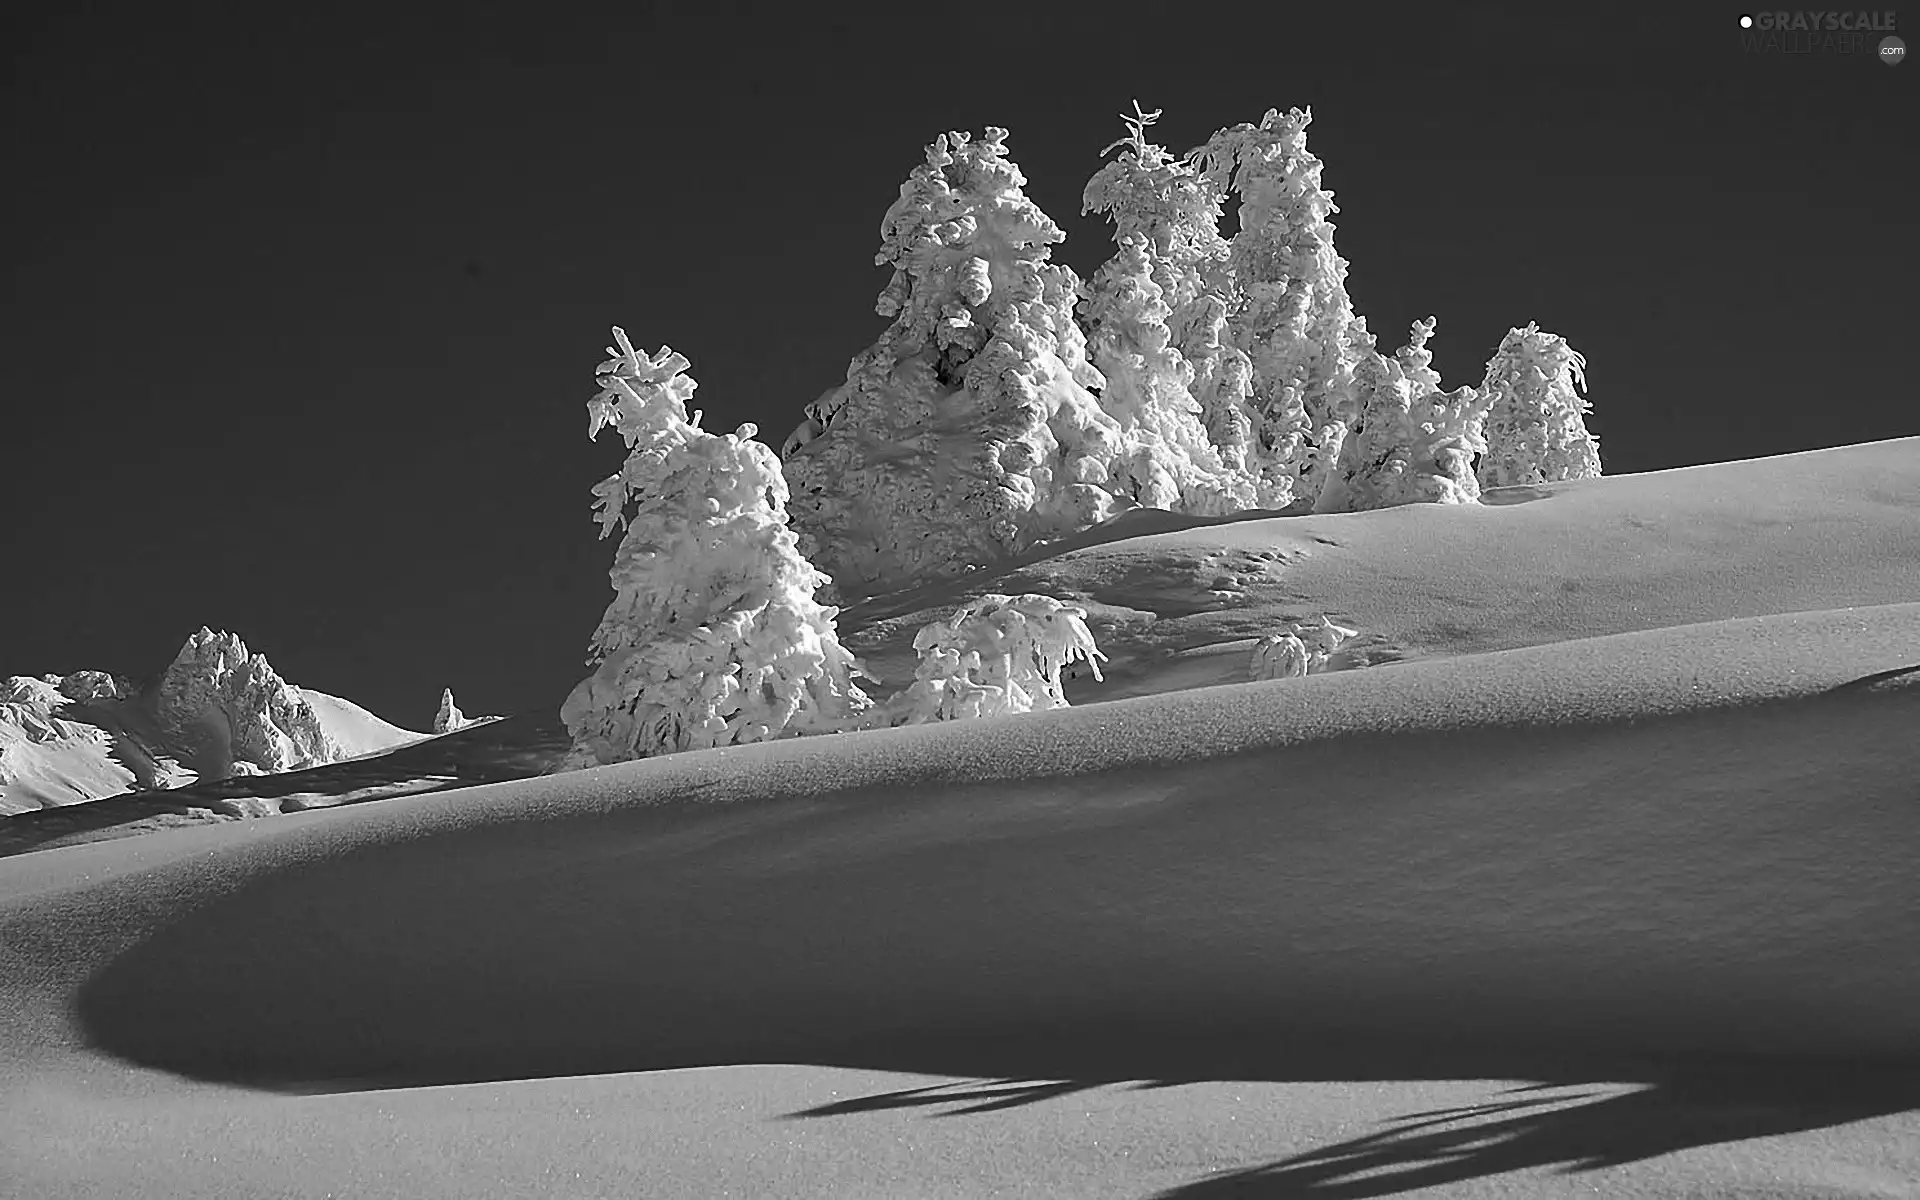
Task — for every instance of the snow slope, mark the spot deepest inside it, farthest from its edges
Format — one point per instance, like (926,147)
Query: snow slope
(357,731)
(1592,890)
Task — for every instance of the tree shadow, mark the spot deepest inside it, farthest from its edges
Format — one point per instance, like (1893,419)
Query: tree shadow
(972,1096)
(1575,1132)
(1578,1120)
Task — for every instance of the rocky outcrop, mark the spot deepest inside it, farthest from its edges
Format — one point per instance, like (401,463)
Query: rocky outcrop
(449,718)
(228,712)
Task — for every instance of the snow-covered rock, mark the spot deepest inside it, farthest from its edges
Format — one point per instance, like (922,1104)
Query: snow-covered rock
(449,717)
(217,712)
(226,710)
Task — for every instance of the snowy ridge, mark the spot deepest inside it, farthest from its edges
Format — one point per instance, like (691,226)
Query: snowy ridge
(218,710)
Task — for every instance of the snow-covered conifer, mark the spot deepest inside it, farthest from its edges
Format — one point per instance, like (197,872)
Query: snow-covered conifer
(1170,254)
(713,636)
(1535,426)
(1291,315)
(967,433)
(995,656)
(1409,441)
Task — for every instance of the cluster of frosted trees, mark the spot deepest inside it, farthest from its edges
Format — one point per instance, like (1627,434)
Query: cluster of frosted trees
(714,636)
(1008,404)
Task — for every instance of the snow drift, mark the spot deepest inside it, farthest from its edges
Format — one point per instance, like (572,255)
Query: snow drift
(1665,810)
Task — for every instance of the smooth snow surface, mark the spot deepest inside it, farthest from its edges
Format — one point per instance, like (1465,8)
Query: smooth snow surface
(357,731)
(1585,869)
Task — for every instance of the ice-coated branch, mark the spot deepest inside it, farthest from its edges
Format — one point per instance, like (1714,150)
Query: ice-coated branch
(1136,132)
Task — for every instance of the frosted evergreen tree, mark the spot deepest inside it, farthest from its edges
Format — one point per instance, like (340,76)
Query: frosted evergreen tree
(969,431)
(1409,441)
(1535,427)
(1172,211)
(713,636)
(1291,314)
(1170,253)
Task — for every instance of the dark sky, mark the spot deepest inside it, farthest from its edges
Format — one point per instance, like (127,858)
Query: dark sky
(301,309)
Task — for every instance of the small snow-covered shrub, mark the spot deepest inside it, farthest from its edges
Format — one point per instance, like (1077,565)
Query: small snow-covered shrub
(1296,649)
(1278,656)
(996,655)
(713,636)
(1535,425)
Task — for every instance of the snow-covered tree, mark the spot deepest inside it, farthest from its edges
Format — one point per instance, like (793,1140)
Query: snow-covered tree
(1290,313)
(1535,426)
(713,636)
(995,656)
(967,433)
(1170,254)
(1409,442)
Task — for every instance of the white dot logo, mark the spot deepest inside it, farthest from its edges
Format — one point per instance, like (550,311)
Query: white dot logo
(1746,22)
